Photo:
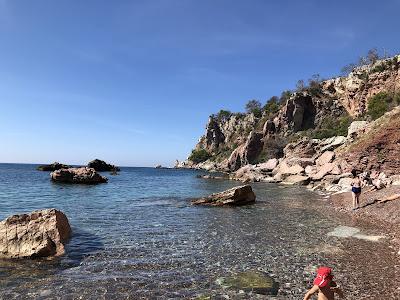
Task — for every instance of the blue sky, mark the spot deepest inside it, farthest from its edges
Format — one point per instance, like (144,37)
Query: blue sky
(133,82)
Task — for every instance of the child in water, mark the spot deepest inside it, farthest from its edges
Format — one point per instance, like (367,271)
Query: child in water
(324,285)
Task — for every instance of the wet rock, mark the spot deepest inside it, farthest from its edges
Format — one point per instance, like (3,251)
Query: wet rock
(52,167)
(210,177)
(239,195)
(41,233)
(102,166)
(251,281)
(83,175)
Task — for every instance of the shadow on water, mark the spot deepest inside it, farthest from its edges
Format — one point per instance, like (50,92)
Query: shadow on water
(81,245)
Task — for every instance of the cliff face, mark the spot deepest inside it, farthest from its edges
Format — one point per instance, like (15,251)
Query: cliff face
(239,139)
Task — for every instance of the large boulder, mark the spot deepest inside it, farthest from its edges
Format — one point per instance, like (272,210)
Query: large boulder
(41,233)
(102,166)
(83,175)
(356,128)
(325,158)
(269,165)
(332,143)
(239,195)
(52,167)
(246,153)
(297,180)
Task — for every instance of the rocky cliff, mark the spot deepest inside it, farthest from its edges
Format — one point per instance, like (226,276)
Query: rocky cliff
(323,109)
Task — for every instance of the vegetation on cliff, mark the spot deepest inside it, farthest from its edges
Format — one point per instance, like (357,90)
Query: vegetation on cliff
(315,109)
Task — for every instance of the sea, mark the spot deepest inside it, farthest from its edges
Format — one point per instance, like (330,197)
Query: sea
(139,237)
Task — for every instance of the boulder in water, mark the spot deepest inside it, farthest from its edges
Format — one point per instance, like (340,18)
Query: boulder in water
(251,281)
(239,195)
(41,233)
(52,167)
(102,166)
(83,175)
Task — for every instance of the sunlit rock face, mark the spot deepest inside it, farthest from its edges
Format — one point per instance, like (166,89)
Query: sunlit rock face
(38,234)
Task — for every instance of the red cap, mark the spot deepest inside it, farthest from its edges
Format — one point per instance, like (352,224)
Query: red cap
(324,276)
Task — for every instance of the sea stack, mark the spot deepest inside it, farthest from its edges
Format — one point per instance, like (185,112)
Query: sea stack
(52,167)
(102,166)
(82,175)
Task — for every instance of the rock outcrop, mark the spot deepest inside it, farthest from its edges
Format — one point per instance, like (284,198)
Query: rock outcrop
(41,233)
(52,167)
(236,196)
(288,144)
(82,175)
(102,166)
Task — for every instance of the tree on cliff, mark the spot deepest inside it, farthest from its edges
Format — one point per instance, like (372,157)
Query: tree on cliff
(254,107)
(272,105)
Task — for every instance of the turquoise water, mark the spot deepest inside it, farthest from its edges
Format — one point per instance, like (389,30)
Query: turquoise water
(138,237)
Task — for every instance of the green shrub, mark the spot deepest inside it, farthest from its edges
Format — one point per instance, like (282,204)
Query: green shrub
(396,98)
(198,156)
(254,107)
(379,104)
(272,106)
(332,126)
(223,115)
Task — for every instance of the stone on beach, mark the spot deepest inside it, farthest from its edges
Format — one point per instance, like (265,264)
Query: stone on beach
(83,175)
(41,233)
(102,166)
(52,167)
(239,195)
(251,281)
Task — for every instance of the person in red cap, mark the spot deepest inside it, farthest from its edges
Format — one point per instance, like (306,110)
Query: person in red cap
(324,285)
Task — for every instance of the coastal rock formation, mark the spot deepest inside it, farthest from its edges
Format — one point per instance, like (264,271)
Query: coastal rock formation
(52,167)
(83,175)
(246,153)
(102,166)
(41,233)
(313,134)
(236,196)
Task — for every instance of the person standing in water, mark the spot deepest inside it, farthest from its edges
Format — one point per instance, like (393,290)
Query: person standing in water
(324,285)
(356,189)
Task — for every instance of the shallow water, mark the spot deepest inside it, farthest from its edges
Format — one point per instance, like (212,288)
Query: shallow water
(138,237)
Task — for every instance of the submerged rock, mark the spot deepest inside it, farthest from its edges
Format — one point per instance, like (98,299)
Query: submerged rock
(41,233)
(251,281)
(239,195)
(52,167)
(102,166)
(83,175)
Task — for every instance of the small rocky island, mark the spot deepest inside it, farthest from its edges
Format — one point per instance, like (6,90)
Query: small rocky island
(240,195)
(102,166)
(41,233)
(52,167)
(82,175)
